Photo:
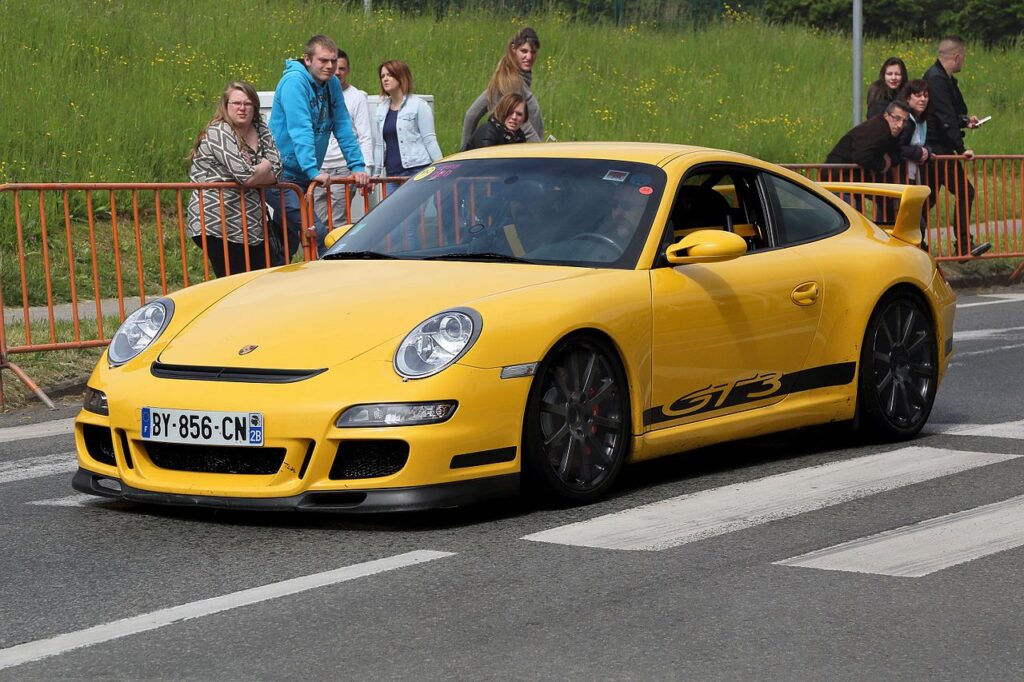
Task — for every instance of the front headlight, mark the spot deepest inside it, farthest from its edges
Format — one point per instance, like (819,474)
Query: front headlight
(437,342)
(140,329)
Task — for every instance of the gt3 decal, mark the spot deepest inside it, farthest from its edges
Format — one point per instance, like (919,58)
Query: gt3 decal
(750,389)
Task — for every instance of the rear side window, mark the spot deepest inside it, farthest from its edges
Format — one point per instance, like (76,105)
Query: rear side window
(803,216)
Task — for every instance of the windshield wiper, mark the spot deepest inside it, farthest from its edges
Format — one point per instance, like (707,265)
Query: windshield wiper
(483,256)
(359,255)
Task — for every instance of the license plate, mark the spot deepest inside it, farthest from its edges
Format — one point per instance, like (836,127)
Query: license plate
(242,429)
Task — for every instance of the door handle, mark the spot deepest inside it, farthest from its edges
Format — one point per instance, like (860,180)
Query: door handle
(805,294)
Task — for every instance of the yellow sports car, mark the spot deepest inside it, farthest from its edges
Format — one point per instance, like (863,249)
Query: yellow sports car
(528,315)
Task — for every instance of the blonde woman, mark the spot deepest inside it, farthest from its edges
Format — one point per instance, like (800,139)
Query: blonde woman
(514,73)
(235,146)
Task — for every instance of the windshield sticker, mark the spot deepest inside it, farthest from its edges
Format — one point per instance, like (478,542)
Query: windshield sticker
(424,173)
(616,176)
(646,190)
(640,179)
(443,171)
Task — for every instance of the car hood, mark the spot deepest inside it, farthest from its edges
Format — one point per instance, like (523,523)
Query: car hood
(319,314)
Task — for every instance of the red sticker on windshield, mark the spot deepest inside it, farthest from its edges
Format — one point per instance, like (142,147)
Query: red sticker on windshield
(645,190)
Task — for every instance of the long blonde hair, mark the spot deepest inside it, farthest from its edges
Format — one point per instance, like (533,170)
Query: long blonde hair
(506,77)
(221,113)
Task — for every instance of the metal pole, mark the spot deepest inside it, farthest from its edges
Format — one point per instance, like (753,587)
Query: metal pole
(858,30)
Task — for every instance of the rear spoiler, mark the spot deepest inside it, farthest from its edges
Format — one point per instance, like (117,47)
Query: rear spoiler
(907,226)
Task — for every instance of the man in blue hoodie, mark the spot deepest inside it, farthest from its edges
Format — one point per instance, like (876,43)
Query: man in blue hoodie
(308,107)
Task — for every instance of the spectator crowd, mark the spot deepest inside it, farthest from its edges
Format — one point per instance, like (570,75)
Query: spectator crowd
(320,128)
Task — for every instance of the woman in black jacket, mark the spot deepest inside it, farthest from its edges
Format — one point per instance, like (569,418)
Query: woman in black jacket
(912,144)
(504,126)
(891,77)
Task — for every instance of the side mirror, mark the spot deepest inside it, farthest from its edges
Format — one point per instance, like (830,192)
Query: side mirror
(706,246)
(336,234)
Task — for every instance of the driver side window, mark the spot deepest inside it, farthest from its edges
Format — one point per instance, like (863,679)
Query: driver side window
(722,198)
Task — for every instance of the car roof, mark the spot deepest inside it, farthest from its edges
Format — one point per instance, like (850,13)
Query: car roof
(642,152)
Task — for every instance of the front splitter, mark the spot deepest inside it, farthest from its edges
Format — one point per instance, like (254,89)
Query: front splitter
(375,500)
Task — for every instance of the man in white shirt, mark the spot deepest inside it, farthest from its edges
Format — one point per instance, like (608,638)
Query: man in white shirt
(334,163)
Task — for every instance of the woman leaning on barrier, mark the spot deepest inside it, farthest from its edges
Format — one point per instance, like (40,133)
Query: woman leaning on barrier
(504,126)
(235,146)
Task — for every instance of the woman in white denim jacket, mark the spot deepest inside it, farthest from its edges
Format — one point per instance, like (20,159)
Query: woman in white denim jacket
(406,142)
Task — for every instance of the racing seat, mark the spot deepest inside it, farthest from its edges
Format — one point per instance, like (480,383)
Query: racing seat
(699,207)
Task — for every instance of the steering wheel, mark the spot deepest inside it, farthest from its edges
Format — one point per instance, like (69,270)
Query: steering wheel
(601,239)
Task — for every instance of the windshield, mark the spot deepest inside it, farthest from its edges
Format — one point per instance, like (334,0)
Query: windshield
(582,212)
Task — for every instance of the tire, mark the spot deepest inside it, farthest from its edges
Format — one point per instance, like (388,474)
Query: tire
(899,370)
(576,431)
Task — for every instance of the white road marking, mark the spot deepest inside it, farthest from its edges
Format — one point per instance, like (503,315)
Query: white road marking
(922,548)
(53,646)
(986,351)
(702,515)
(79,500)
(54,427)
(1001,430)
(36,467)
(999,298)
(976,334)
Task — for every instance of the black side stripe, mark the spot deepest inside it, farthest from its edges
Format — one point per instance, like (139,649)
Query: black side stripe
(752,390)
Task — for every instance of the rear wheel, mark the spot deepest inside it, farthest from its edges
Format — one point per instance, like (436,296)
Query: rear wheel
(899,369)
(577,424)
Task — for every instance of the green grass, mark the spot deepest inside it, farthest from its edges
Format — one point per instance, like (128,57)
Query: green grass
(49,369)
(91,96)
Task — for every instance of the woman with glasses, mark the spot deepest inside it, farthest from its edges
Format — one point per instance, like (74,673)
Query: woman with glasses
(235,146)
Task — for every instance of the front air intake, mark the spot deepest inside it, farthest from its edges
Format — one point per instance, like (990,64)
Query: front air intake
(369,458)
(216,459)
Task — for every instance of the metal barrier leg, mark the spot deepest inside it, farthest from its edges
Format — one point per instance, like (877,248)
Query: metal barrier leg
(1016,273)
(18,372)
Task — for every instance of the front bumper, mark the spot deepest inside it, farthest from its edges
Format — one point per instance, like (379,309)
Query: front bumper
(473,454)
(346,501)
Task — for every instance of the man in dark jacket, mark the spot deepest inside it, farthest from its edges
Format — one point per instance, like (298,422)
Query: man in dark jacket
(874,145)
(946,122)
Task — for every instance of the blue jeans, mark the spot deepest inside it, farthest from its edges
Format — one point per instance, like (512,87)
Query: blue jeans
(293,219)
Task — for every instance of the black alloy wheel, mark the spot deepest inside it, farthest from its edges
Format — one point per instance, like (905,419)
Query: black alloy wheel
(577,429)
(899,369)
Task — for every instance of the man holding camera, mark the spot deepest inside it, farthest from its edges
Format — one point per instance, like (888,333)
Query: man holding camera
(946,122)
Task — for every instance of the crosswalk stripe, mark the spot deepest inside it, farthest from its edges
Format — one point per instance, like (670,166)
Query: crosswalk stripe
(977,334)
(993,299)
(923,548)
(53,646)
(702,515)
(55,427)
(36,467)
(1013,429)
(79,500)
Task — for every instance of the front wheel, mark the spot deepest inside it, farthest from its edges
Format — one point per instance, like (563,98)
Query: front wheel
(577,423)
(899,370)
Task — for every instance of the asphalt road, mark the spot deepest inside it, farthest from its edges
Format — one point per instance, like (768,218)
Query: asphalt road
(802,556)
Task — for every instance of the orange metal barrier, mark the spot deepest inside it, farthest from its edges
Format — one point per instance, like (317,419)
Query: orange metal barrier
(78,245)
(66,247)
(995,214)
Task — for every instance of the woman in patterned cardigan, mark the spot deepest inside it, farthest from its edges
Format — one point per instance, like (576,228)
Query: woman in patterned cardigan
(235,146)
